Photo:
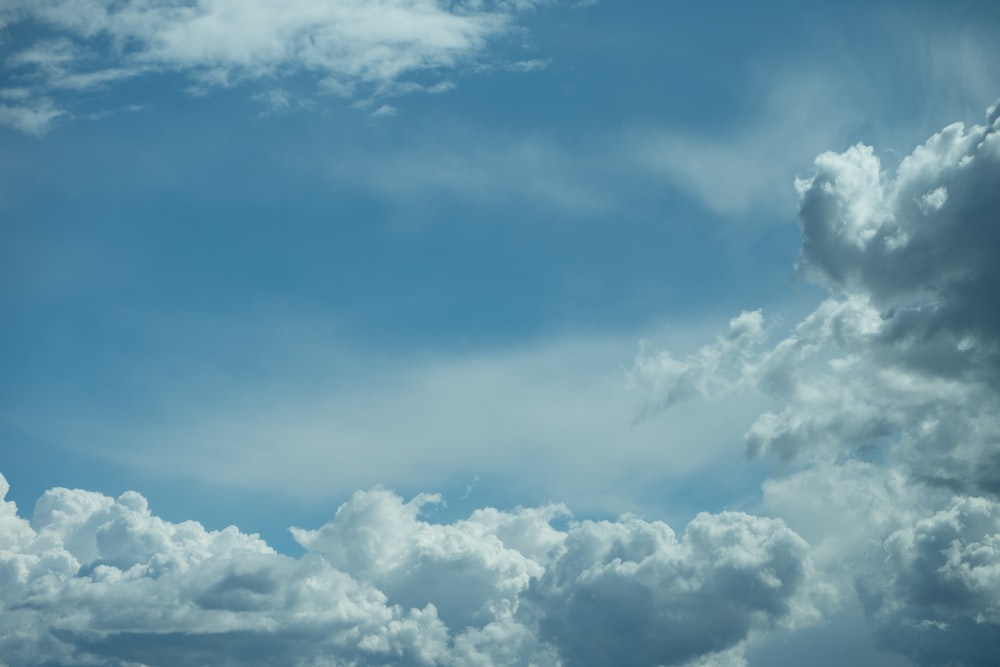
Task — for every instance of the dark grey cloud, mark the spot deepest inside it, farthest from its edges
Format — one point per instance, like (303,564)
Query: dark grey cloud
(631,593)
(886,398)
(936,595)
(920,244)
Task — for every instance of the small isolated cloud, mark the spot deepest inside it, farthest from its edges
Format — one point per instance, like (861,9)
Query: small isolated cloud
(33,116)
(280,101)
(348,46)
(531,65)
(384,110)
(97,580)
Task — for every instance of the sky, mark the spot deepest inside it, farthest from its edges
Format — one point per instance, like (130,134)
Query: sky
(499,333)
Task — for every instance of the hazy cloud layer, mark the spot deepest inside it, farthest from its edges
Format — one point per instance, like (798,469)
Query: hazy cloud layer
(354,49)
(95,580)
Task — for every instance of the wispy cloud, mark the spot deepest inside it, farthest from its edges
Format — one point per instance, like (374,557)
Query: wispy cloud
(352,46)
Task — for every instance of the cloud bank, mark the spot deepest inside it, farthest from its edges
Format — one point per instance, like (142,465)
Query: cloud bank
(886,396)
(354,49)
(97,580)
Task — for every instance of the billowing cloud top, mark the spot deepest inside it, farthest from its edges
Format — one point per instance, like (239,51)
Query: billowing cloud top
(96,580)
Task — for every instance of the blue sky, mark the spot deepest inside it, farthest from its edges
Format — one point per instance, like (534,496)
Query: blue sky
(261,258)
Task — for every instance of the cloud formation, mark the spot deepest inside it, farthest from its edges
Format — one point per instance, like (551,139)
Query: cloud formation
(889,391)
(96,580)
(352,49)
(935,596)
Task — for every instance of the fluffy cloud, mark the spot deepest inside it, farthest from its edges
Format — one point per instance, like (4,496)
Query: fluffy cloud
(903,359)
(354,48)
(919,245)
(935,597)
(96,580)
(886,395)
(631,593)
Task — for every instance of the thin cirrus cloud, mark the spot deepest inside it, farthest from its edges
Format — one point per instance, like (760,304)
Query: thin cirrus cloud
(886,394)
(91,578)
(351,49)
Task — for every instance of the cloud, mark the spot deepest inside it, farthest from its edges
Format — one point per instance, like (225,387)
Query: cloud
(750,166)
(34,117)
(917,245)
(323,418)
(345,46)
(667,380)
(904,356)
(935,597)
(887,396)
(631,593)
(384,111)
(96,580)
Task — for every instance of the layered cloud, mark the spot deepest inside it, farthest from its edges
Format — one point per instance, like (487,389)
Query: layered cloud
(351,49)
(95,580)
(888,391)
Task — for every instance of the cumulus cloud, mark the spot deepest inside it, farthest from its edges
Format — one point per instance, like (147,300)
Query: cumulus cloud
(935,598)
(97,580)
(352,48)
(631,593)
(918,245)
(888,393)
(904,357)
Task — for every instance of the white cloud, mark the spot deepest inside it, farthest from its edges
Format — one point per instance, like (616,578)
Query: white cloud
(512,169)
(93,579)
(666,380)
(886,395)
(905,357)
(349,45)
(35,118)
(384,110)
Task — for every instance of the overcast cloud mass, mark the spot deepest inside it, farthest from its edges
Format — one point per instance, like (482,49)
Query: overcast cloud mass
(395,333)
